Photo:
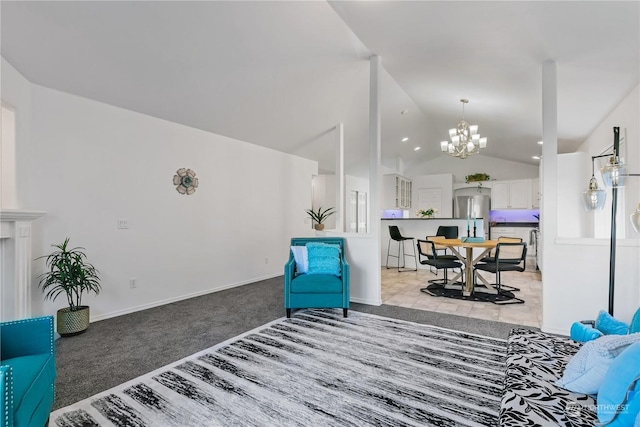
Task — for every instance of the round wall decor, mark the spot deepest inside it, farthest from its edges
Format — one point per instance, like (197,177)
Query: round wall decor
(185,181)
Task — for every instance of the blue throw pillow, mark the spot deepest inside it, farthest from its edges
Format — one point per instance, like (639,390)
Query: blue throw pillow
(606,324)
(586,371)
(323,258)
(583,333)
(619,396)
(635,324)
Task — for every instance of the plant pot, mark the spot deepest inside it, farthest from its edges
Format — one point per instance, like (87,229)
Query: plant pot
(72,322)
(319,227)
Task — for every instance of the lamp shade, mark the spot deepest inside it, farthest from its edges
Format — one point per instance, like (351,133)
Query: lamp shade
(635,219)
(613,173)
(594,199)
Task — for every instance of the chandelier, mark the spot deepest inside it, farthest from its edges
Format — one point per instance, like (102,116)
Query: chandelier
(465,139)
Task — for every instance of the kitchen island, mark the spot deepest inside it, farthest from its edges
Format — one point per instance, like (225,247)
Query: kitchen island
(420,228)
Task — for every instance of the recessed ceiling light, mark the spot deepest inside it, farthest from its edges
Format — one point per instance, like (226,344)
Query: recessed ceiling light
(405,111)
(405,139)
(540,142)
(416,149)
(535,157)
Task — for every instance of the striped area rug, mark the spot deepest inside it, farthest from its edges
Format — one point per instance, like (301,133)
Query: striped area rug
(315,369)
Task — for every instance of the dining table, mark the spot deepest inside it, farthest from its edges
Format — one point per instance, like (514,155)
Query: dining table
(468,259)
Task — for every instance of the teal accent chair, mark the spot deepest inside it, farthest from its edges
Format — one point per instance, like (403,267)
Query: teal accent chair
(316,290)
(27,372)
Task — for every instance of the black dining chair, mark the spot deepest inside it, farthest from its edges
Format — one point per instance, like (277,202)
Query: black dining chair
(509,256)
(427,249)
(395,234)
(448,232)
(492,257)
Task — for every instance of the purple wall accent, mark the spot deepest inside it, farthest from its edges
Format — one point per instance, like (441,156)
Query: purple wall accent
(514,215)
(392,213)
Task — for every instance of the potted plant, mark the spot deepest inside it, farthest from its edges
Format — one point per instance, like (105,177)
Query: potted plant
(476,177)
(70,275)
(319,216)
(428,213)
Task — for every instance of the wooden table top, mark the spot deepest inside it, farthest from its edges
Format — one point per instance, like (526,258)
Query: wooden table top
(460,243)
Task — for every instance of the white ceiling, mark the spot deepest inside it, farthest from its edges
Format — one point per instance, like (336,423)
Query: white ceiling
(282,74)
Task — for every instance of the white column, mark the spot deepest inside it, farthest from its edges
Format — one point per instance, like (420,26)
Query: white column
(375,169)
(549,182)
(340,202)
(16,259)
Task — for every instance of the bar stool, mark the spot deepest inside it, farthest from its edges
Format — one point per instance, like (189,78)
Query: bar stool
(395,234)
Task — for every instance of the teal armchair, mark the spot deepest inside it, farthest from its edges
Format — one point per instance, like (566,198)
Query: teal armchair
(304,290)
(27,372)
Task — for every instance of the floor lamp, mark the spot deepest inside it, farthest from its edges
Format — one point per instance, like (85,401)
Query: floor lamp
(613,175)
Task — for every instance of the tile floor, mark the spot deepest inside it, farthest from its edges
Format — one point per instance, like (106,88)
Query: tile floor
(403,289)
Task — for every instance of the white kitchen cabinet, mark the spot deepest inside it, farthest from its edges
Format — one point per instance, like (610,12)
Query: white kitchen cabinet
(503,232)
(523,233)
(514,194)
(535,193)
(500,195)
(397,192)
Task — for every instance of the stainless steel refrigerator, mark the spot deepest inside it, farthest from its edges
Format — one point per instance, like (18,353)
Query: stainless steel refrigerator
(473,206)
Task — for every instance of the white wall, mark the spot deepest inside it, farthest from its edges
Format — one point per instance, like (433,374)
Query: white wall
(92,164)
(8,198)
(324,196)
(364,269)
(574,176)
(576,271)
(625,116)
(498,169)
(443,181)
(352,183)
(16,93)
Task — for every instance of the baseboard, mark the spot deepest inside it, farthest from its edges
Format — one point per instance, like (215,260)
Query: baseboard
(178,298)
(366,301)
(555,331)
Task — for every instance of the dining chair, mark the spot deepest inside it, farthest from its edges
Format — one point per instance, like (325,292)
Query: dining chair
(509,256)
(448,233)
(427,249)
(492,257)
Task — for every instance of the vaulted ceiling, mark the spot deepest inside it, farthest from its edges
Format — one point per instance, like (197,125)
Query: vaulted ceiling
(283,74)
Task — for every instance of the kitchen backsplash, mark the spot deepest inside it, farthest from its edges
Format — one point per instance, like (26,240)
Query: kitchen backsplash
(395,213)
(513,215)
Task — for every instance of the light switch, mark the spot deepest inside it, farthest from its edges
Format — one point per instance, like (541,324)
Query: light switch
(23,231)
(123,223)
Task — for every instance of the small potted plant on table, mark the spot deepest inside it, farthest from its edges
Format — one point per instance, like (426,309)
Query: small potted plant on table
(71,275)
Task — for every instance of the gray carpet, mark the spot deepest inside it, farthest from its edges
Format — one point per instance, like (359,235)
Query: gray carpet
(117,350)
(315,369)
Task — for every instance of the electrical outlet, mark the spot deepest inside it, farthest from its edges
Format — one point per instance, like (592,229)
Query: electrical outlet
(266,260)
(123,223)
(133,283)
